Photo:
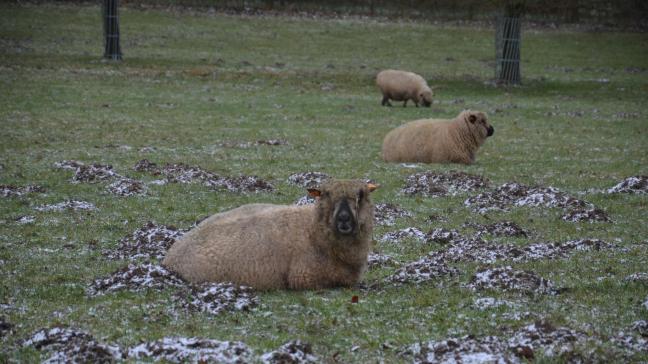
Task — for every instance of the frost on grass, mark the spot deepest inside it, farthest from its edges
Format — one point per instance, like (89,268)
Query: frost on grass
(214,298)
(509,279)
(387,213)
(183,173)
(27,219)
(67,345)
(399,235)
(442,184)
(308,179)
(305,200)
(634,184)
(515,194)
(486,303)
(380,260)
(467,349)
(641,277)
(192,350)
(422,270)
(443,236)
(127,187)
(292,352)
(150,241)
(136,278)
(501,228)
(16,191)
(73,205)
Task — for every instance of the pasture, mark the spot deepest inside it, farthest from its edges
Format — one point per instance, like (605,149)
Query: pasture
(249,101)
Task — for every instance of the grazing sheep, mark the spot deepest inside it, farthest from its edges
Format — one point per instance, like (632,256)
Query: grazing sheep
(274,246)
(438,140)
(403,86)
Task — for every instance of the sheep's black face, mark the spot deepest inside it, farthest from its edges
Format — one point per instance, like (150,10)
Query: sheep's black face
(345,206)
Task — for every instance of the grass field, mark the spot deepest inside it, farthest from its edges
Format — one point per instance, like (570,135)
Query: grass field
(194,88)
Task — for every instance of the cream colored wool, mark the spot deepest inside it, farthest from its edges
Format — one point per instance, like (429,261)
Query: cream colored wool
(438,140)
(403,86)
(277,247)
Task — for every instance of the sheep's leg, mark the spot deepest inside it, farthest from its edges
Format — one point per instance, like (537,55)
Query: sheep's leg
(405,102)
(385,101)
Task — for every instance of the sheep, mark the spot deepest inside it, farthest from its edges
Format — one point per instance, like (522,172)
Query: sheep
(403,86)
(438,140)
(267,246)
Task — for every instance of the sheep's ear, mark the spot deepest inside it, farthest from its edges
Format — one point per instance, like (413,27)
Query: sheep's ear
(314,192)
(372,187)
(472,118)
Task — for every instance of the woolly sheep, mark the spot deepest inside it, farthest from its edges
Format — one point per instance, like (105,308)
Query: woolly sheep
(283,247)
(438,140)
(403,86)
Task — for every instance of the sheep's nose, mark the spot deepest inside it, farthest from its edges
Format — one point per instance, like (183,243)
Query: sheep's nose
(344,216)
(491,130)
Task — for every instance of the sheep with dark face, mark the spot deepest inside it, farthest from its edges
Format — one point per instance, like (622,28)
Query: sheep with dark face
(438,140)
(403,86)
(283,247)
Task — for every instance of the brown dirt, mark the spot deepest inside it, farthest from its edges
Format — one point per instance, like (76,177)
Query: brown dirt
(16,191)
(151,241)
(634,184)
(71,346)
(509,279)
(442,184)
(387,213)
(127,187)
(292,352)
(308,179)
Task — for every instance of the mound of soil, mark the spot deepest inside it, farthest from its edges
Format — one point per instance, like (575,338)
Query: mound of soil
(14,191)
(6,328)
(241,184)
(93,173)
(637,277)
(422,270)
(380,260)
(387,213)
(399,235)
(305,200)
(192,350)
(68,164)
(151,241)
(292,352)
(634,184)
(145,165)
(501,228)
(467,349)
(443,236)
(586,215)
(508,279)
(308,179)
(272,142)
(640,327)
(73,205)
(215,298)
(27,219)
(442,184)
(136,278)
(127,187)
(515,194)
(544,339)
(72,346)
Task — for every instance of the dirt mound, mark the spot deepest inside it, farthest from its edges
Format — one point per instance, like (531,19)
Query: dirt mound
(93,173)
(14,191)
(387,213)
(72,346)
(634,184)
(182,173)
(214,298)
(73,205)
(467,349)
(292,352)
(637,277)
(192,350)
(127,187)
(305,200)
(508,279)
(443,236)
(68,164)
(542,339)
(422,270)
(151,241)
(308,179)
(402,234)
(586,215)
(26,219)
(515,194)
(136,278)
(272,142)
(442,184)
(380,260)
(501,228)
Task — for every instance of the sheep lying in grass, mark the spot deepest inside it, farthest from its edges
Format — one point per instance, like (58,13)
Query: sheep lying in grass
(403,86)
(274,246)
(437,140)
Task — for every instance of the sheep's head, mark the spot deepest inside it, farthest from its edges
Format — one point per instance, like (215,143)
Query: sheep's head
(425,97)
(344,205)
(478,123)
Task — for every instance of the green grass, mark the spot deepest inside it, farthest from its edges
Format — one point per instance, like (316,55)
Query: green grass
(184,89)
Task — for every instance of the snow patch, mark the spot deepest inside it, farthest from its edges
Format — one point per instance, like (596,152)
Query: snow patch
(151,241)
(192,350)
(634,184)
(442,184)
(308,179)
(292,352)
(399,235)
(387,213)
(509,279)
(73,205)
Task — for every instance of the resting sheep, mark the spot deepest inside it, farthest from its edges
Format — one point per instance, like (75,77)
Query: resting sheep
(403,86)
(283,247)
(438,140)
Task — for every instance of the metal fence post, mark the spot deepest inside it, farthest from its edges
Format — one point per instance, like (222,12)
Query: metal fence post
(111,30)
(507,49)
